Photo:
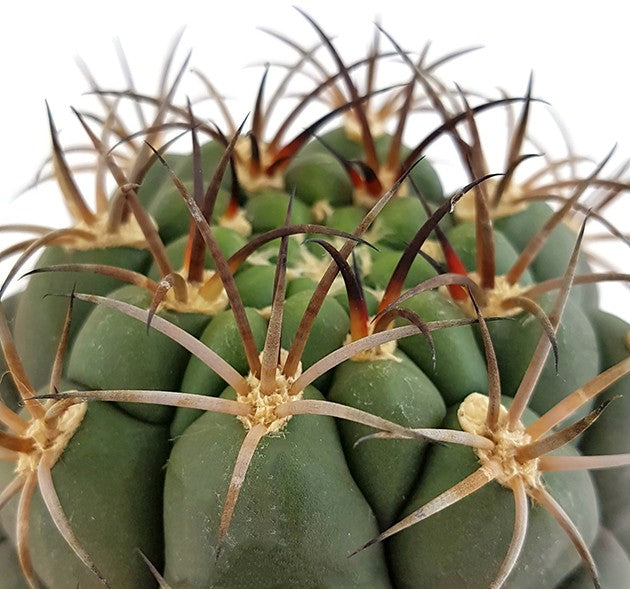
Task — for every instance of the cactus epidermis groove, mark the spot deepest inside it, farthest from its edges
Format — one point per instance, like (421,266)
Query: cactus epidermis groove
(369,422)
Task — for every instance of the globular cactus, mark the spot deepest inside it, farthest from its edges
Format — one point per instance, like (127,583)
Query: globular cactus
(296,362)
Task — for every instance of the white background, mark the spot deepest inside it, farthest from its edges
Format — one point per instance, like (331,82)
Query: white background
(579,53)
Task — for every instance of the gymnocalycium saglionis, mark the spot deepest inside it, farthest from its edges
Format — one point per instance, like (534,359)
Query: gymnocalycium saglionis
(286,358)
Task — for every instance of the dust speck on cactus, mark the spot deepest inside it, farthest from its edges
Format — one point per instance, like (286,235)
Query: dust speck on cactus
(272,362)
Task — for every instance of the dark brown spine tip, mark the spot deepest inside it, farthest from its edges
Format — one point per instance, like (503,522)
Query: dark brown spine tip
(397,280)
(359,107)
(372,184)
(196,247)
(355,177)
(356,298)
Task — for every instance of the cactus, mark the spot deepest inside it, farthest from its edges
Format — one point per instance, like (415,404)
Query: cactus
(277,362)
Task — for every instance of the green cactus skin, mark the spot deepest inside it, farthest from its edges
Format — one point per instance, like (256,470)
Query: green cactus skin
(423,175)
(385,472)
(12,577)
(40,316)
(612,562)
(268,209)
(113,471)
(458,342)
(319,177)
(257,285)
(346,218)
(8,393)
(297,501)
(578,359)
(157,180)
(399,221)
(162,200)
(469,539)
(552,259)
(385,260)
(329,330)
(105,356)
(612,335)
(347,146)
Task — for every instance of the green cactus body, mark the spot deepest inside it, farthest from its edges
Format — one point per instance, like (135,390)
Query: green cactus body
(576,363)
(552,259)
(8,393)
(612,560)
(319,177)
(612,334)
(252,420)
(457,342)
(383,263)
(12,575)
(40,316)
(297,502)
(480,526)
(110,526)
(386,471)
